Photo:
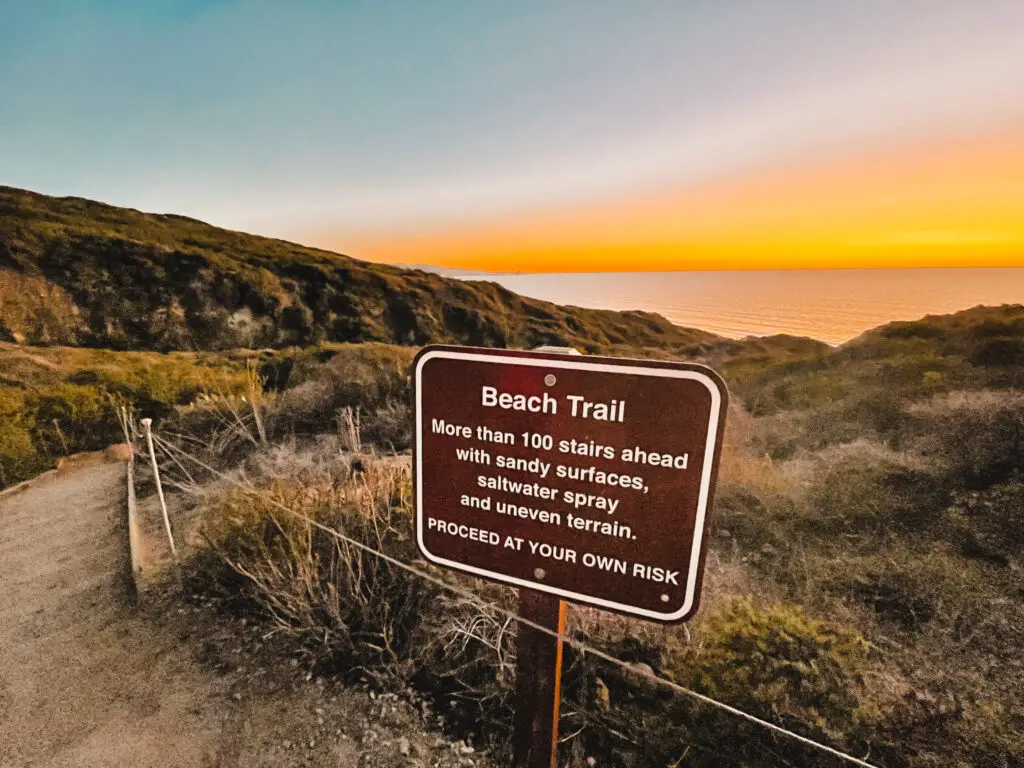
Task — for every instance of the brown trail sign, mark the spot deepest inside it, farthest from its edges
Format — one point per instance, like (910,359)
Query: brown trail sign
(579,478)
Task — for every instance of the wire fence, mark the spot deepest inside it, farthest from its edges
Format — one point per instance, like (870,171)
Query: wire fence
(177,455)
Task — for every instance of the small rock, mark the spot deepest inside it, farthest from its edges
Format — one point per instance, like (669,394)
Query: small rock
(601,697)
(238,697)
(286,744)
(591,762)
(404,746)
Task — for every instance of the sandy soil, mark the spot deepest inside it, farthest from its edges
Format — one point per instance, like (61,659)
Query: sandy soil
(87,678)
(83,681)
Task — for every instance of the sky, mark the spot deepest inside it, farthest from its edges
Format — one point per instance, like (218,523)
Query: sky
(538,135)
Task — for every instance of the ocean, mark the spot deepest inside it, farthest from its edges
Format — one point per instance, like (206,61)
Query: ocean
(834,305)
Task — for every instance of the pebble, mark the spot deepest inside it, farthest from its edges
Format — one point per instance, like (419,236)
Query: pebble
(404,746)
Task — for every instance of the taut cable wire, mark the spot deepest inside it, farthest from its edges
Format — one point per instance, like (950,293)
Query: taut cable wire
(580,645)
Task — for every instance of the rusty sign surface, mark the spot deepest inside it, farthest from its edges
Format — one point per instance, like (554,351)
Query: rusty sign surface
(589,478)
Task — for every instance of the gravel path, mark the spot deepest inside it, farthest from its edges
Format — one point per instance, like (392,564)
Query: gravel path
(84,682)
(89,679)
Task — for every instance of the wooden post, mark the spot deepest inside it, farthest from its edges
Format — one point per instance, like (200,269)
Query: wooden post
(538,669)
(538,681)
(127,429)
(147,423)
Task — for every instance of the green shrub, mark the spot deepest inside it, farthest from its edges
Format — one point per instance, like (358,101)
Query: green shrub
(373,378)
(933,729)
(752,518)
(779,663)
(911,588)
(989,523)
(19,455)
(56,401)
(775,661)
(977,436)
(858,495)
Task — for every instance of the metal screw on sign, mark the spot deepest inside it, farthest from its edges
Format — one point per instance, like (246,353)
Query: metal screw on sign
(539,665)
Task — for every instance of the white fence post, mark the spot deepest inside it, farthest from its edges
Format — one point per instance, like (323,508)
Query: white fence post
(147,423)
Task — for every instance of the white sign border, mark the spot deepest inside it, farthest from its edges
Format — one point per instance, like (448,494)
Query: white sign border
(577,364)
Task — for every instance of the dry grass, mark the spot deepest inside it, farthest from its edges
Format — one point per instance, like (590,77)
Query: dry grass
(830,547)
(326,593)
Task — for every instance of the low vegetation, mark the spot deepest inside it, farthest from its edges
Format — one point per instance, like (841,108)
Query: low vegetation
(57,401)
(863,585)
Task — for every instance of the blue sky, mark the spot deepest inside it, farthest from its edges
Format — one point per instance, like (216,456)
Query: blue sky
(363,117)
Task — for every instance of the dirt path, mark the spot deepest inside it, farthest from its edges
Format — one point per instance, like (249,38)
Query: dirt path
(17,351)
(87,679)
(84,682)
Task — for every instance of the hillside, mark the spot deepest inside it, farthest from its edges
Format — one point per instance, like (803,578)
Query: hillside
(81,273)
(977,348)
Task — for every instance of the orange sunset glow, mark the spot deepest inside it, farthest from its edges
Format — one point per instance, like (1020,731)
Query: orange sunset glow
(956,202)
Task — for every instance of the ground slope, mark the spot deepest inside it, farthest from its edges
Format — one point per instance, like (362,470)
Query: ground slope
(84,683)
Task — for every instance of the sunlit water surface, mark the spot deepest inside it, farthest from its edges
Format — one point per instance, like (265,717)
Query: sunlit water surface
(831,305)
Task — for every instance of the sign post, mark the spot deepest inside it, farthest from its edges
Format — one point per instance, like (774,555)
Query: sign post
(573,478)
(538,669)
(538,681)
